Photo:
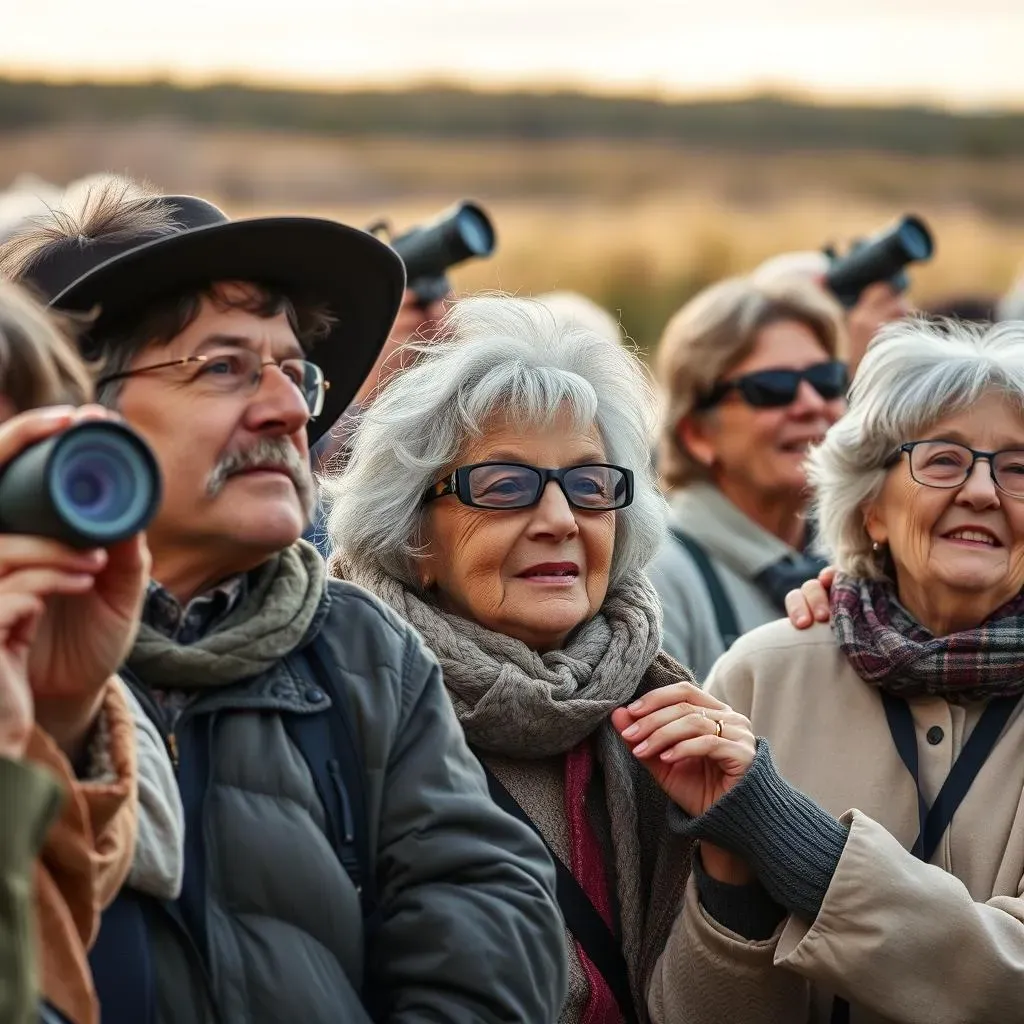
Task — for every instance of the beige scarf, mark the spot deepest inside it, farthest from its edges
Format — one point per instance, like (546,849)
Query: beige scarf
(515,702)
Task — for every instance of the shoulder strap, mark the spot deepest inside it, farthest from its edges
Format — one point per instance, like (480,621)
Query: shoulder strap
(581,917)
(121,964)
(982,741)
(329,744)
(725,615)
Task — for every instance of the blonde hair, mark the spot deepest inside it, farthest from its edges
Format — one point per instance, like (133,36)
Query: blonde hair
(715,331)
(104,207)
(39,364)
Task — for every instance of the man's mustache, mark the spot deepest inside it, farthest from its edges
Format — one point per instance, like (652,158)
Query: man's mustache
(268,453)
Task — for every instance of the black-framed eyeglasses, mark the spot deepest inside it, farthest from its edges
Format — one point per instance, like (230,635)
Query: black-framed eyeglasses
(241,370)
(596,487)
(772,389)
(948,464)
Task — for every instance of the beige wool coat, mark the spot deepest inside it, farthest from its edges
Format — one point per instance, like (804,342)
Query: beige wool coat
(939,943)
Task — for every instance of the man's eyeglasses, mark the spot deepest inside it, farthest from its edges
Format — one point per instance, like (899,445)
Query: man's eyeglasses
(241,370)
(948,464)
(772,389)
(597,487)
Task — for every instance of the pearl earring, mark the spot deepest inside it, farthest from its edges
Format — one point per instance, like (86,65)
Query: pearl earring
(876,546)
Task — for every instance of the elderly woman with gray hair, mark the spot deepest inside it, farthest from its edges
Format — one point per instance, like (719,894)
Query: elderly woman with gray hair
(500,498)
(886,835)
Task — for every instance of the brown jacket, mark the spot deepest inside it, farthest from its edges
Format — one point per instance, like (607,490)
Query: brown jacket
(904,941)
(86,857)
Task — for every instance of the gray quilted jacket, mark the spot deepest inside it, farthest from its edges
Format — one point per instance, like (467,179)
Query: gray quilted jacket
(272,932)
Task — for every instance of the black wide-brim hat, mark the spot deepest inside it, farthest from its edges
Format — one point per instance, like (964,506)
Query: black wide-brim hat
(354,275)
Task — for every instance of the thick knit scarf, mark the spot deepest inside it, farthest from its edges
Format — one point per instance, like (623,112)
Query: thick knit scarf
(515,702)
(891,650)
(269,623)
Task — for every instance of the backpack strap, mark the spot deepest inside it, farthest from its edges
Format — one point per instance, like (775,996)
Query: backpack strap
(725,614)
(121,963)
(581,916)
(329,744)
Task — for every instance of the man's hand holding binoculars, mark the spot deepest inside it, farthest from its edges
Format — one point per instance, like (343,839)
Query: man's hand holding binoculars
(68,617)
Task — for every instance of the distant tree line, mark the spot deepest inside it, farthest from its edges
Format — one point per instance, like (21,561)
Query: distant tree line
(761,124)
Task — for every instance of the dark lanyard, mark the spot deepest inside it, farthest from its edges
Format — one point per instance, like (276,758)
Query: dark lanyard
(933,821)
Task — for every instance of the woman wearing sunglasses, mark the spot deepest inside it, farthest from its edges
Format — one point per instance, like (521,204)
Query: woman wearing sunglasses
(500,498)
(753,378)
(884,828)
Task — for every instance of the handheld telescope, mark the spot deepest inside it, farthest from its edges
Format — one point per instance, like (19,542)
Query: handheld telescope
(462,232)
(90,486)
(882,257)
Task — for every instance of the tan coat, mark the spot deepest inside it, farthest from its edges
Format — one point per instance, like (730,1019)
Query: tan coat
(904,941)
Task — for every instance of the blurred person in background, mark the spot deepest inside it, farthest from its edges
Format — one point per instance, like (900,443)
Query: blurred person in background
(26,197)
(571,309)
(414,323)
(879,836)
(973,309)
(344,860)
(1011,305)
(753,377)
(501,499)
(879,304)
(70,762)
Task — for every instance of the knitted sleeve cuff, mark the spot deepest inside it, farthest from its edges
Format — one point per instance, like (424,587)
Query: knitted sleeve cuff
(747,910)
(791,843)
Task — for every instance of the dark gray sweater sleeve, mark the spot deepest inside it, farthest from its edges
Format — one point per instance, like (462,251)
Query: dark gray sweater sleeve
(747,910)
(792,844)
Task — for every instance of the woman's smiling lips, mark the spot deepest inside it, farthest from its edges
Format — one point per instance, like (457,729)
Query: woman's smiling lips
(972,536)
(552,574)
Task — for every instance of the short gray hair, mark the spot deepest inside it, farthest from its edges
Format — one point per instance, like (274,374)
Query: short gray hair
(503,356)
(915,374)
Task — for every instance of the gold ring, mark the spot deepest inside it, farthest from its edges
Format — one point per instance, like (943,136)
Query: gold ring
(718,727)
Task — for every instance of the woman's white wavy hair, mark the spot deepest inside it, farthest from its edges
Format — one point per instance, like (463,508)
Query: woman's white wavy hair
(504,356)
(915,373)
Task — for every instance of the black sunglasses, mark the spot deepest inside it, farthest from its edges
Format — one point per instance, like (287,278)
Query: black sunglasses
(772,389)
(596,487)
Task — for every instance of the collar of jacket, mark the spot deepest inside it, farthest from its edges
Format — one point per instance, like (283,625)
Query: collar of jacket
(719,526)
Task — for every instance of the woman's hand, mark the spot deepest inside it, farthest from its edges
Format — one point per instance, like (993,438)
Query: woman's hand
(72,615)
(810,604)
(695,747)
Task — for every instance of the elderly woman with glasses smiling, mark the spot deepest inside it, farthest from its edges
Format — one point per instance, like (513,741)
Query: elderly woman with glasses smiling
(500,498)
(753,376)
(890,883)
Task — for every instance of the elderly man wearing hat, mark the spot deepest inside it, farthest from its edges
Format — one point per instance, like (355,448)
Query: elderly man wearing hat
(343,859)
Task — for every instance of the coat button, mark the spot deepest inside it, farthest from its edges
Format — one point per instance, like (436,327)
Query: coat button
(934,735)
(315,696)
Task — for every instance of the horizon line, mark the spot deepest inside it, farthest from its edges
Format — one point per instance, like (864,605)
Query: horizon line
(784,91)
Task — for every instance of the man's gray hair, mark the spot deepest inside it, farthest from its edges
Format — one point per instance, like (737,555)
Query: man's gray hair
(504,356)
(915,374)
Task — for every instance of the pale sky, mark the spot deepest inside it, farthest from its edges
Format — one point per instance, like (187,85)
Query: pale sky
(963,52)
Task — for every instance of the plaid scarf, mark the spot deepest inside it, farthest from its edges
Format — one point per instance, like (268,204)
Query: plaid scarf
(893,651)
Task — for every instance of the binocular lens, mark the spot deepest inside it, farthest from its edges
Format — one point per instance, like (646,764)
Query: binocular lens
(916,241)
(91,486)
(99,484)
(475,231)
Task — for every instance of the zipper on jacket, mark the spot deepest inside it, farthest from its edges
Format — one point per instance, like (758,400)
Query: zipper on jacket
(172,749)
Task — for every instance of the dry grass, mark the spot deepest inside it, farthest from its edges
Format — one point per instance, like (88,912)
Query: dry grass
(639,228)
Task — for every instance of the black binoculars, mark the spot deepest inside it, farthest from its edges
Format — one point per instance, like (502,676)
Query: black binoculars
(462,232)
(882,257)
(90,486)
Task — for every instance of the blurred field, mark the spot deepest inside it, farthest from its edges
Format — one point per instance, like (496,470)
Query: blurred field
(637,226)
